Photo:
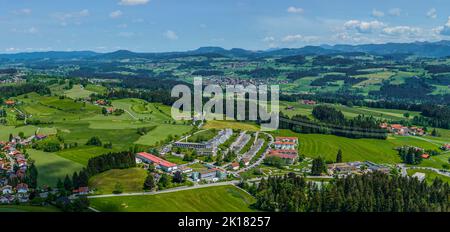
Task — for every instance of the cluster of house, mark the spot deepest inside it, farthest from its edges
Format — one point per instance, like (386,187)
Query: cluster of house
(211,173)
(399,129)
(209,147)
(285,148)
(445,147)
(13,167)
(344,169)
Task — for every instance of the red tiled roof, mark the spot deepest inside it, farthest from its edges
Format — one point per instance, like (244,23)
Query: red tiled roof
(235,164)
(283,156)
(156,159)
(396,126)
(425,156)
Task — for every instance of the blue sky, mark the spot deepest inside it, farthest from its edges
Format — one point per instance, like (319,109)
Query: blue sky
(174,25)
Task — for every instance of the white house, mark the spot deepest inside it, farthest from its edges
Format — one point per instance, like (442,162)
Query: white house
(7,190)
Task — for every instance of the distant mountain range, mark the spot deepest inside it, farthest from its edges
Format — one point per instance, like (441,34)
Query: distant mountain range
(422,49)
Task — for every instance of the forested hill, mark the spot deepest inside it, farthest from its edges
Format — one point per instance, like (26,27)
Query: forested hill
(423,49)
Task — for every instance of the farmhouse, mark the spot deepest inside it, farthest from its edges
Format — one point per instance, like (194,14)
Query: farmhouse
(157,161)
(10,102)
(235,165)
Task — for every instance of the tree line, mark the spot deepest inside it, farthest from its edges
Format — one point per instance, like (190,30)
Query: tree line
(373,192)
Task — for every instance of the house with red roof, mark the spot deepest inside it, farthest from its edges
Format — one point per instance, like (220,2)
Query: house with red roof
(157,161)
(10,102)
(425,156)
(235,165)
(287,155)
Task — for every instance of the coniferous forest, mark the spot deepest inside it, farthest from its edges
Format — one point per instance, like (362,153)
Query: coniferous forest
(374,192)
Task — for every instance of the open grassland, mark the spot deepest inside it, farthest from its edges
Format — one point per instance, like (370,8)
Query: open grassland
(230,124)
(52,167)
(6,130)
(379,151)
(429,175)
(82,154)
(78,91)
(27,208)
(131,180)
(211,199)
(95,88)
(161,132)
(349,112)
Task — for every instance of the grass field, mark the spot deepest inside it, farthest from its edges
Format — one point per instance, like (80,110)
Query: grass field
(429,175)
(51,167)
(211,199)
(78,91)
(6,130)
(230,124)
(161,132)
(379,151)
(27,208)
(131,180)
(82,154)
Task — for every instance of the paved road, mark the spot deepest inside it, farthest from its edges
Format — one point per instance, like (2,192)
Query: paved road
(167,190)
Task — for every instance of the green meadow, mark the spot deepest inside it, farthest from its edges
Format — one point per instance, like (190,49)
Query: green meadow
(131,180)
(376,150)
(210,199)
(51,167)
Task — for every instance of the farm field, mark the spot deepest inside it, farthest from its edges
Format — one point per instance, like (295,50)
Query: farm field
(51,167)
(379,151)
(210,199)
(131,180)
(78,91)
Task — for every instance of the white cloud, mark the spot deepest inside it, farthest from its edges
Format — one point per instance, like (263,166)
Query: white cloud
(363,26)
(133,2)
(268,39)
(24,11)
(292,38)
(169,34)
(377,13)
(298,38)
(115,14)
(402,31)
(445,30)
(294,10)
(65,18)
(84,13)
(126,34)
(11,49)
(122,25)
(32,30)
(395,12)
(432,13)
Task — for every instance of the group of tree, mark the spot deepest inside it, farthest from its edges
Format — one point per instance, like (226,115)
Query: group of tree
(333,122)
(372,192)
(410,155)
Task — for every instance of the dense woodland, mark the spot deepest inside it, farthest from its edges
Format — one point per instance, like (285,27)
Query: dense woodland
(374,192)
